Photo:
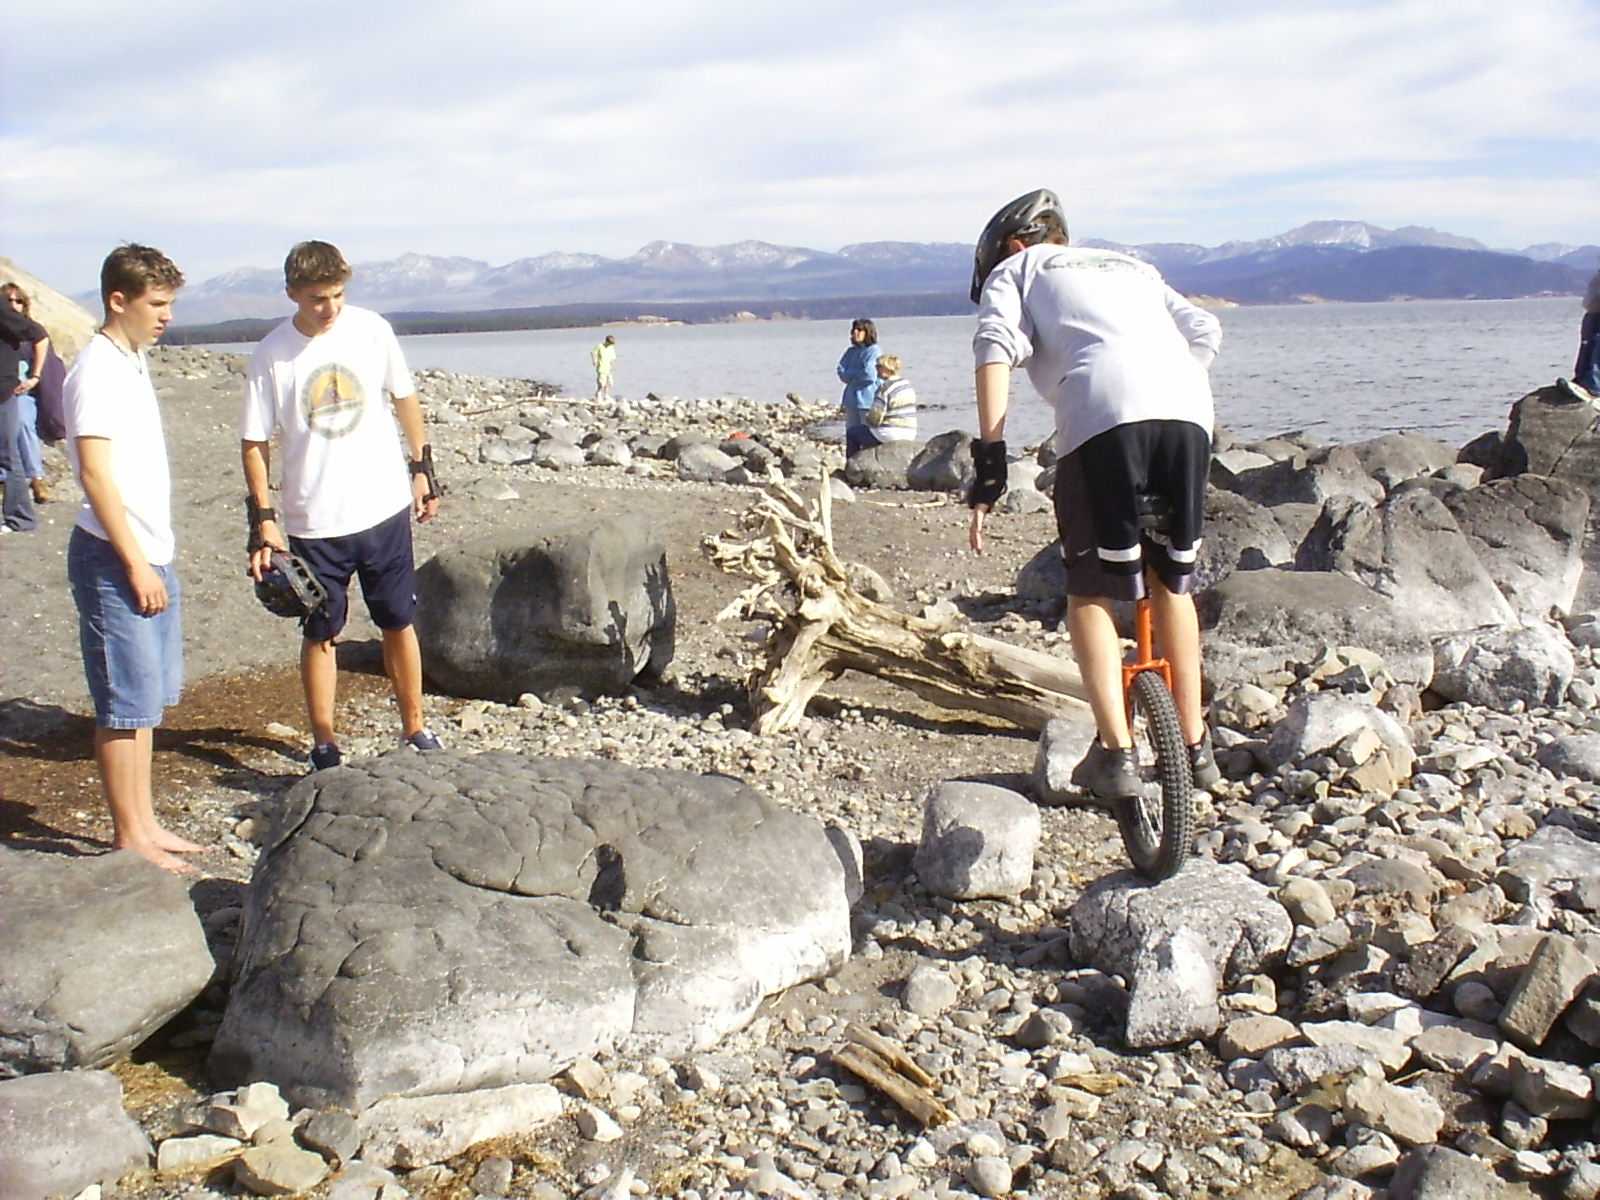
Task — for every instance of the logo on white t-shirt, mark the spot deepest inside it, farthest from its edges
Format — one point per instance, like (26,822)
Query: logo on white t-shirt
(333,400)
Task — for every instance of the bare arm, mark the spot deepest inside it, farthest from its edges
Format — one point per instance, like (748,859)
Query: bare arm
(100,487)
(41,351)
(257,458)
(408,411)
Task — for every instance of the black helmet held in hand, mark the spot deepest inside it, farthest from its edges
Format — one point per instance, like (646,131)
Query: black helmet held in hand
(1020,218)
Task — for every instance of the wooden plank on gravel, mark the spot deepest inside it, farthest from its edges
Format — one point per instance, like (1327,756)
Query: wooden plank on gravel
(881,1064)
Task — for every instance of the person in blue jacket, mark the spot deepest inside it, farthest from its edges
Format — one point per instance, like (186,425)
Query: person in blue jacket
(858,369)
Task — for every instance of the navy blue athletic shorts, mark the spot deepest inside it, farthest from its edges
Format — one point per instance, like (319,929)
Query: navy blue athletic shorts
(381,557)
(1097,495)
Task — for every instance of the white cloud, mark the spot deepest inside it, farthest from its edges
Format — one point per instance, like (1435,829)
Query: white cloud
(498,130)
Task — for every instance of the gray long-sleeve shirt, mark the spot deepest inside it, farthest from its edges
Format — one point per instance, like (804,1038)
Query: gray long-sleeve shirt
(1103,338)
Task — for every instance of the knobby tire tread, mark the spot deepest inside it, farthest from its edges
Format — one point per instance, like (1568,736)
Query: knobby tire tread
(1158,852)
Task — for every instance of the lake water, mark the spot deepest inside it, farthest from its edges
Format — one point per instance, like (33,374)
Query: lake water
(1449,369)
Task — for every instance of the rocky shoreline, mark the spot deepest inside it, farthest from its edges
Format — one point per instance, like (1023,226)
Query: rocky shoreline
(1410,833)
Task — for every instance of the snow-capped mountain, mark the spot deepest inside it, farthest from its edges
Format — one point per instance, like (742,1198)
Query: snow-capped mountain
(1332,259)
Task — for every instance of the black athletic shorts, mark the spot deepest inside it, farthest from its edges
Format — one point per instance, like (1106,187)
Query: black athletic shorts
(381,556)
(1097,495)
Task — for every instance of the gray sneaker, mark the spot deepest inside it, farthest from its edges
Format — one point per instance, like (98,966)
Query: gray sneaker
(1107,774)
(1203,763)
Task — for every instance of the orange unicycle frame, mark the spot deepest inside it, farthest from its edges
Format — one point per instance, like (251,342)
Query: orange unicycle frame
(1144,655)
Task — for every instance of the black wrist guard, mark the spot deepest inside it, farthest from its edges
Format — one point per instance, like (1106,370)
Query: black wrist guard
(424,466)
(256,515)
(989,483)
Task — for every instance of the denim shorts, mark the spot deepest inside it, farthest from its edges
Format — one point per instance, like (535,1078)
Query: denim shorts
(134,663)
(381,557)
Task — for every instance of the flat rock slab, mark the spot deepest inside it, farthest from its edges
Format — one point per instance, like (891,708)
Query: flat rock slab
(440,923)
(60,1133)
(99,953)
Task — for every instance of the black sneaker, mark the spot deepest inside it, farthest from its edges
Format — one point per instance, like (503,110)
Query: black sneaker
(424,739)
(1203,763)
(1107,774)
(325,756)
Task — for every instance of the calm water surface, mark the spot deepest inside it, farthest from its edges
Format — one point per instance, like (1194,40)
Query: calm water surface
(1449,369)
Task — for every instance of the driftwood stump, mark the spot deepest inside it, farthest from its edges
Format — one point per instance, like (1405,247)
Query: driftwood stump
(822,626)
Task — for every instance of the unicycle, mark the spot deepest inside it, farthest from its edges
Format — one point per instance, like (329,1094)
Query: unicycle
(1157,825)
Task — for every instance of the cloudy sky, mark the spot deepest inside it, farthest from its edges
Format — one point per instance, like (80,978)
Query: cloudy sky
(224,132)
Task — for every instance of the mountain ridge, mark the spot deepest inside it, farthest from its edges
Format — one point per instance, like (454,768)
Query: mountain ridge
(1330,259)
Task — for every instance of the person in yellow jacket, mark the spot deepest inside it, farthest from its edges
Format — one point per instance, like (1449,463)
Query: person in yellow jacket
(603,356)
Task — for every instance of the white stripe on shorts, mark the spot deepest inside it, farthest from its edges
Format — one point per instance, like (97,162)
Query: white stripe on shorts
(1183,556)
(1131,554)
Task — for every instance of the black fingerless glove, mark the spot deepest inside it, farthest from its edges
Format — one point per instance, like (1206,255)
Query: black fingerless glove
(256,516)
(424,466)
(989,483)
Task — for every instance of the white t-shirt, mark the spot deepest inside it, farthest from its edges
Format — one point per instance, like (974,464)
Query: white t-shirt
(108,395)
(1104,339)
(344,470)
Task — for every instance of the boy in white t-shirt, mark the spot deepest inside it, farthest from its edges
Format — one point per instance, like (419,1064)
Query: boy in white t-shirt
(120,555)
(319,381)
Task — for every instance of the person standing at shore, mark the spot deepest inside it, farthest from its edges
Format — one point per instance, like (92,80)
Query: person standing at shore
(604,357)
(1586,371)
(20,455)
(121,552)
(1123,360)
(858,371)
(319,380)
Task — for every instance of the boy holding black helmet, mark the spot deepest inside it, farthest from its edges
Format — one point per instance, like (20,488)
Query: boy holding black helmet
(1123,359)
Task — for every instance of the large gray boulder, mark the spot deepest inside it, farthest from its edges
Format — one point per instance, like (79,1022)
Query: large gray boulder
(1528,533)
(1553,432)
(581,606)
(703,463)
(1309,478)
(1495,668)
(882,467)
(1411,550)
(98,953)
(944,464)
(1178,943)
(62,1133)
(1393,458)
(439,923)
(1257,621)
(1240,535)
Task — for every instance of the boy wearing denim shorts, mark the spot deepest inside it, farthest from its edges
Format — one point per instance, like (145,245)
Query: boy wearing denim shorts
(331,382)
(1123,360)
(120,555)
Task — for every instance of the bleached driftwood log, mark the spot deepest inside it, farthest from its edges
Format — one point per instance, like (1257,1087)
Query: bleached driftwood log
(824,626)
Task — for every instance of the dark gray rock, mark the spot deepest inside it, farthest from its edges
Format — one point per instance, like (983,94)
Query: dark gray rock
(584,606)
(440,923)
(1240,535)
(112,950)
(883,467)
(1554,433)
(1310,478)
(1411,550)
(944,464)
(506,452)
(674,446)
(1393,458)
(1573,756)
(703,463)
(1178,942)
(1440,1173)
(1043,578)
(60,1133)
(1257,621)
(1528,533)
(1498,667)
(555,454)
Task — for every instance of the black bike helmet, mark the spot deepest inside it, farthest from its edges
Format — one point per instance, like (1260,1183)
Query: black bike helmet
(1020,218)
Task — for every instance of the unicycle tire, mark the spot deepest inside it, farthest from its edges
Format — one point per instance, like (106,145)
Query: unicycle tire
(1158,825)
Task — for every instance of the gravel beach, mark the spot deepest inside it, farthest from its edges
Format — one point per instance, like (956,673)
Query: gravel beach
(1023,1040)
